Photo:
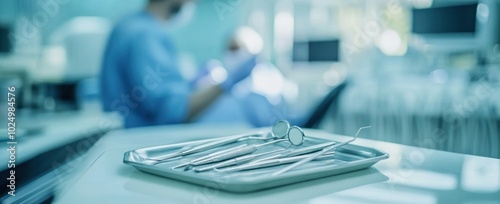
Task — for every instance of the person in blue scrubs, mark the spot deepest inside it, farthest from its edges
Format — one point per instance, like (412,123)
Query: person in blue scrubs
(140,77)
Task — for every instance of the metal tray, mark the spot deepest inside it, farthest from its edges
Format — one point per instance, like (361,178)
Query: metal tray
(347,158)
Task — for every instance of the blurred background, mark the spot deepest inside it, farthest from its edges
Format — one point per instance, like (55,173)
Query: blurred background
(421,72)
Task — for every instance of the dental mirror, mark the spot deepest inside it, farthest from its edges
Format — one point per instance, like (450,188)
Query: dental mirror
(280,129)
(318,154)
(296,136)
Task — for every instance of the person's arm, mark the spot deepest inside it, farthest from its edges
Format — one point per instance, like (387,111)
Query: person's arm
(172,101)
(201,99)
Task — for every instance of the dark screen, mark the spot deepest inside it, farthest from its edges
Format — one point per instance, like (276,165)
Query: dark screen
(452,19)
(5,44)
(498,26)
(316,51)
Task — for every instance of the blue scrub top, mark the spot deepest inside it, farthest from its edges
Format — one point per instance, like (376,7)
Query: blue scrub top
(140,78)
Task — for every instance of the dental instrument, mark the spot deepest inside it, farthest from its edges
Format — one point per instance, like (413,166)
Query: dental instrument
(318,154)
(234,161)
(272,162)
(295,137)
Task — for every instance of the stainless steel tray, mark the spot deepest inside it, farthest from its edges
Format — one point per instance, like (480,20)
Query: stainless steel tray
(347,158)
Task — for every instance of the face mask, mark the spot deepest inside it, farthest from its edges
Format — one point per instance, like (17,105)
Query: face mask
(181,15)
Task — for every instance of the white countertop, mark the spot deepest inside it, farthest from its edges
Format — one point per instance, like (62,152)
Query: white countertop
(58,129)
(410,175)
